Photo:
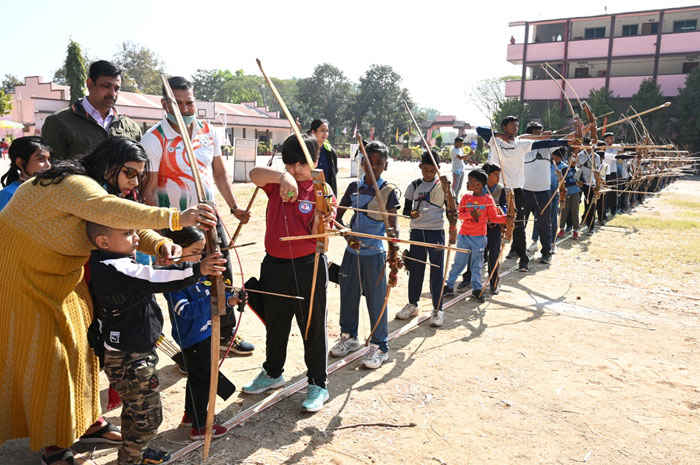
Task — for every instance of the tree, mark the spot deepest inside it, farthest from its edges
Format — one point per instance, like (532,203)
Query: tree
(600,101)
(10,82)
(379,101)
(513,107)
(488,95)
(649,95)
(209,84)
(141,68)
(5,103)
(553,117)
(327,94)
(686,111)
(75,73)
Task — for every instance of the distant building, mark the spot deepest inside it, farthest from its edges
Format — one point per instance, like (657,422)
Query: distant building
(445,121)
(615,51)
(35,100)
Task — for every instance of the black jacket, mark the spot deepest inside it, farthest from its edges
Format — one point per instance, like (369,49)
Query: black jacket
(122,292)
(331,172)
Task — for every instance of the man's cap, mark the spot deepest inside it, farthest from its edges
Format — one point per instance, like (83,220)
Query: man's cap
(508,119)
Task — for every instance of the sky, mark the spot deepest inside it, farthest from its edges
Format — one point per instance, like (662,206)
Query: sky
(440,48)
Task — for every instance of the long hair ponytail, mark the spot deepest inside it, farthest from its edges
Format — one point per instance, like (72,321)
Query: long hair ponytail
(22,148)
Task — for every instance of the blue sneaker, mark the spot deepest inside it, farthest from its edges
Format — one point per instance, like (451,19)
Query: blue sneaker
(263,383)
(316,396)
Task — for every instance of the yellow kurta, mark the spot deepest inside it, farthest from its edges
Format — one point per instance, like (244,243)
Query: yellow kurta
(48,373)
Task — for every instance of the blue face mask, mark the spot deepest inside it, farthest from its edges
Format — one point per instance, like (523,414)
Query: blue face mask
(188,119)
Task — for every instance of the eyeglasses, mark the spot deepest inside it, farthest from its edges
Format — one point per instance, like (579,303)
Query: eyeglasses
(131,173)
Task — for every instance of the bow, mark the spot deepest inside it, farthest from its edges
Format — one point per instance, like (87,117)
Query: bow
(450,202)
(323,208)
(392,258)
(218,292)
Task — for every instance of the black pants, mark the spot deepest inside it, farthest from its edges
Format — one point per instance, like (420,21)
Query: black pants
(534,201)
(589,211)
(611,197)
(519,247)
(228,321)
(293,277)
(198,363)
(416,271)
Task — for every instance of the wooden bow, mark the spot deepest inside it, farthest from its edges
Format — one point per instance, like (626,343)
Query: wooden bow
(323,208)
(218,292)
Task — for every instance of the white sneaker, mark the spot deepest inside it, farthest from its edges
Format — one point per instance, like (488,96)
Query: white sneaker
(345,345)
(375,357)
(407,312)
(437,318)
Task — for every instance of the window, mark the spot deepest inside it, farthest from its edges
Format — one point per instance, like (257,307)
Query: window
(581,73)
(685,25)
(654,28)
(689,66)
(629,30)
(594,33)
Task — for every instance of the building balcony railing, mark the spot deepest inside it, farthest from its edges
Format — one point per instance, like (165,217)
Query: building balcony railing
(679,42)
(620,86)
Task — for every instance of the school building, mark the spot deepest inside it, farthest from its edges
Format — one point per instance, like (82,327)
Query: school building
(616,51)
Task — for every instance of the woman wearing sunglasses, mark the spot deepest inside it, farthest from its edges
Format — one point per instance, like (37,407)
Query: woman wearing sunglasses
(49,374)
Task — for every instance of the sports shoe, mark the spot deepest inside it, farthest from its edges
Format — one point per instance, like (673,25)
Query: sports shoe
(464,285)
(561,234)
(575,235)
(263,382)
(553,249)
(239,347)
(216,432)
(495,290)
(448,292)
(186,421)
(546,259)
(345,345)
(407,312)
(154,456)
(375,357)
(478,296)
(316,396)
(437,318)
(523,268)
(511,255)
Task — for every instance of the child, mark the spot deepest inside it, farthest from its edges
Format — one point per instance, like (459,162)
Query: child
(288,269)
(493,231)
(122,292)
(425,201)
(190,314)
(475,210)
(29,156)
(362,270)
(570,210)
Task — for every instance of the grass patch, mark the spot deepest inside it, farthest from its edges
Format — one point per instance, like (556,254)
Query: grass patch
(687,204)
(648,222)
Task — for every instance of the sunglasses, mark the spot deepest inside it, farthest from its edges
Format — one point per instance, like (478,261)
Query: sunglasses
(131,173)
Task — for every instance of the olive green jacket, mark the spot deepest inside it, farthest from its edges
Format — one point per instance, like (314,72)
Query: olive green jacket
(72,133)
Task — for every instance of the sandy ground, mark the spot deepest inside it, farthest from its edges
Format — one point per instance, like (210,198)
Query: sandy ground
(592,359)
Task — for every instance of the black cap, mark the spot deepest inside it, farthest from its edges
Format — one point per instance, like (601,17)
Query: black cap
(426,160)
(479,175)
(490,168)
(534,125)
(508,119)
(608,134)
(459,139)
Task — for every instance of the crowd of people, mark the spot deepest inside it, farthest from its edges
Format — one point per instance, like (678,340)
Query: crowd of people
(97,217)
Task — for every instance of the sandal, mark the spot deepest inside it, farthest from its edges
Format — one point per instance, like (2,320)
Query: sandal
(66,456)
(98,436)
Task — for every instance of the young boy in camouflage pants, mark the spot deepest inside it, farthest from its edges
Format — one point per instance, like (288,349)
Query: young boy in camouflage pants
(131,323)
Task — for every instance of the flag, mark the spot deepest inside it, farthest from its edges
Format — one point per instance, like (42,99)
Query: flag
(396,137)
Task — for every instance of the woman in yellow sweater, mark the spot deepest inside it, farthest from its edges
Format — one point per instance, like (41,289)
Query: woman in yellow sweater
(48,374)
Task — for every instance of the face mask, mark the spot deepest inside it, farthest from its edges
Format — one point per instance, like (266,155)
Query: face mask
(188,119)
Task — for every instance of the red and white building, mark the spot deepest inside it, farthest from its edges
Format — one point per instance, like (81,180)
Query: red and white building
(35,100)
(615,51)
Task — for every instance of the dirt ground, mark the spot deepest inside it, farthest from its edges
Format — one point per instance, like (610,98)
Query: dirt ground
(592,359)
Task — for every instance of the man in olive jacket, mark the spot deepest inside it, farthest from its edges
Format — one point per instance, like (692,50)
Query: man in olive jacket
(75,131)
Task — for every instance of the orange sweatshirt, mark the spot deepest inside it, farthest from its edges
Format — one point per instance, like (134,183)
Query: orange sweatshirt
(475,211)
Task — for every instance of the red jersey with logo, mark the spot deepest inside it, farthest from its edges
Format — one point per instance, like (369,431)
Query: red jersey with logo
(476,211)
(286,219)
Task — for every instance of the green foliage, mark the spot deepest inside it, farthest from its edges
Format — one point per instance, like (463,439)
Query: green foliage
(9,83)
(227,150)
(438,140)
(75,71)
(649,95)
(686,111)
(511,107)
(327,94)
(600,101)
(554,117)
(264,148)
(5,103)
(141,68)
(379,102)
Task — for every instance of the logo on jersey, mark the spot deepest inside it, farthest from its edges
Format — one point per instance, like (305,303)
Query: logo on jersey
(305,206)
